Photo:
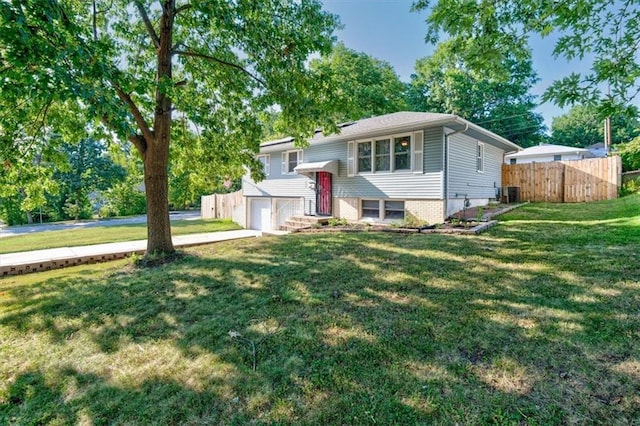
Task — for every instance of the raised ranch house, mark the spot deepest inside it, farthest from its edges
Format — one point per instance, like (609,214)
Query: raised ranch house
(381,169)
(545,152)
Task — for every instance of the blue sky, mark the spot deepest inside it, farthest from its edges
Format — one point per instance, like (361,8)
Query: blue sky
(386,29)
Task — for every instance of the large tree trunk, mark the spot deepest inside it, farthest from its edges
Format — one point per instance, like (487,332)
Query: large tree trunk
(156,157)
(156,161)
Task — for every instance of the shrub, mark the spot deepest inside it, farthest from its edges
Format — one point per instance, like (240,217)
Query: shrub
(334,221)
(411,221)
(631,186)
(124,199)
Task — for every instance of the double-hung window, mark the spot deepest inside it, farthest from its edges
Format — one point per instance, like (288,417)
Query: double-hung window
(264,159)
(383,155)
(364,157)
(290,160)
(480,158)
(402,153)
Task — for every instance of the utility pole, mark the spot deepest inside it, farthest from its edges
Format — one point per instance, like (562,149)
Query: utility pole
(607,134)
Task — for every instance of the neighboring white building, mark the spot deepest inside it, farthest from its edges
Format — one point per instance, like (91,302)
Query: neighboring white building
(598,150)
(545,153)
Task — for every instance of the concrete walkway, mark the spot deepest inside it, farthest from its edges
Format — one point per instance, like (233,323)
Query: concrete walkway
(42,260)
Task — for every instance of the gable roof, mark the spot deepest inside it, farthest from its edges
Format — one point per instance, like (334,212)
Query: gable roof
(547,149)
(400,122)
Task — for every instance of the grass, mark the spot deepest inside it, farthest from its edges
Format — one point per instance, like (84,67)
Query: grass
(105,234)
(535,322)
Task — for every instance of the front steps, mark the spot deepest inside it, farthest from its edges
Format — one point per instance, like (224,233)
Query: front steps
(296,223)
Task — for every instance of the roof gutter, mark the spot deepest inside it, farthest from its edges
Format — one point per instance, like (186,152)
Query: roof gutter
(287,143)
(365,134)
(446,170)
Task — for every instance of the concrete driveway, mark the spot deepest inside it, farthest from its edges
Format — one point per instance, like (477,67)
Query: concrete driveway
(10,231)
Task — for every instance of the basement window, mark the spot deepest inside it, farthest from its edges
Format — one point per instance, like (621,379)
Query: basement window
(394,210)
(371,209)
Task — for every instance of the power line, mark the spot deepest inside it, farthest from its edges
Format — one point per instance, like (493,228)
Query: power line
(505,118)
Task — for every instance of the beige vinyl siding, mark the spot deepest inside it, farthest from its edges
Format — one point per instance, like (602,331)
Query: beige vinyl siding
(464,178)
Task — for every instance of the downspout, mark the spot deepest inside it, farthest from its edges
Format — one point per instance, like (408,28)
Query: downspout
(446,171)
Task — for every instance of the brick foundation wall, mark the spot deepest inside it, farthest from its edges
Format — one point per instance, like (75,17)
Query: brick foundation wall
(346,208)
(431,211)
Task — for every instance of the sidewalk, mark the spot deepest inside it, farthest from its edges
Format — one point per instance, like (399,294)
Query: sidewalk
(42,260)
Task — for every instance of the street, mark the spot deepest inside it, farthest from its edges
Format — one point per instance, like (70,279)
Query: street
(10,231)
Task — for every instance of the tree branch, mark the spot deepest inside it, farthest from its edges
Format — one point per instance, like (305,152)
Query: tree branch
(140,144)
(147,133)
(222,62)
(147,23)
(137,140)
(182,8)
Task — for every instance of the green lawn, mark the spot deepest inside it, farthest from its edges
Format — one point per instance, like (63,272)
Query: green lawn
(536,322)
(105,234)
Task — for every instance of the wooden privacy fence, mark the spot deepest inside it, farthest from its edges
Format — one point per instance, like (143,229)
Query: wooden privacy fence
(565,181)
(220,206)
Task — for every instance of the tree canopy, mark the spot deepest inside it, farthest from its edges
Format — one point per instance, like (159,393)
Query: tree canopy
(630,154)
(498,100)
(133,66)
(582,127)
(365,86)
(486,31)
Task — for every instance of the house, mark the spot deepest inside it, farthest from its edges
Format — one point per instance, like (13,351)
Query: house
(547,152)
(380,169)
(598,150)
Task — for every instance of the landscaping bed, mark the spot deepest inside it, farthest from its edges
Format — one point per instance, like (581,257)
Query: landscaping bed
(473,220)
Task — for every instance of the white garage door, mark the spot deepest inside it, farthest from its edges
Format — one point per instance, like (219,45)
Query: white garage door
(260,214)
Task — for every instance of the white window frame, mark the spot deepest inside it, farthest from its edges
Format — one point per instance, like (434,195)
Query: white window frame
(285,161)
(480,157)
(381,208)
(384,210)
(409,153)
(375,155)
(392,158)
(266,165)
(371,158)
(362,217)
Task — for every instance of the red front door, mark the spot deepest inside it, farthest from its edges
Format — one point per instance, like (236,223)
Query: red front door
(323,193)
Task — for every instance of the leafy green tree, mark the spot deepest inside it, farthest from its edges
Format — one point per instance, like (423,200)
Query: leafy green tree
(365,86)
(630,154)
(89,169)
(196,169)
(25,181)
(499,100)
(124,198)
(24,187)
(582,127)
(132,64)
(487,31)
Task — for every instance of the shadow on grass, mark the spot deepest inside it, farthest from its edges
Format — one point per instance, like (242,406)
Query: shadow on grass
(36,399)
(373,328)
